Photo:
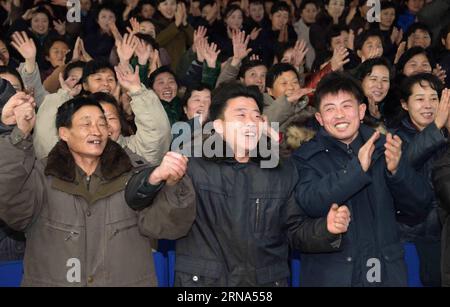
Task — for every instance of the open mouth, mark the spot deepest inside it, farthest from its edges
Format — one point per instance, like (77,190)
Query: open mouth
(341,126)
(427,115)
(94,142)
(167,95)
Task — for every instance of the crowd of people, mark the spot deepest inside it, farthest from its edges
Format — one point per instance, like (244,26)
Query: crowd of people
(91,168)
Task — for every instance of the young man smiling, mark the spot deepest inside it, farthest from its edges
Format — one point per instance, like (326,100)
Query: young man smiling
(348,162)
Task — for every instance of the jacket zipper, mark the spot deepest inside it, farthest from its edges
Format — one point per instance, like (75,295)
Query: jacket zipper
(257,215)
(70,233)
(88,181)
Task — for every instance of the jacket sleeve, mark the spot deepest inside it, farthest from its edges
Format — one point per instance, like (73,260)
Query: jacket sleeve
(209,75)
(33,80)
(411,191)
(278,110)
(167,35)
(441,180)
(228,73)
(51,84)
(20,185)
(307,234)
(424,145)
(45,134)
(315,193)
(152,138)
(169,211)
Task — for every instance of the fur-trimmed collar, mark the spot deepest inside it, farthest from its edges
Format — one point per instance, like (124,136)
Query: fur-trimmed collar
(113,162)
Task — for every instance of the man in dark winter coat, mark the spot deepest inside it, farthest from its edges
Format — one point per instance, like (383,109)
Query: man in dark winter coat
(246,214)
(348,162)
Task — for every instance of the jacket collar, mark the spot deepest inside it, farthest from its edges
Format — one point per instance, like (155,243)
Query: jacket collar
(113,162)
(323,142)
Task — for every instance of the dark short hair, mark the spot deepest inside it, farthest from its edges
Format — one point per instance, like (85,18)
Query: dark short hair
(72,65)
(418,26)
(94,66)
(305,3)
(388,5)
(365,68)
(69,108)
(336,82)
(229,90)
(365,35)
(276,70)
(206,3)
(157,72)
(14,72)
(147,38)
(280,6)
(198,87)
(230,9)
(105,97)
(409,54)
(408,83)
(51,41)
(248,64)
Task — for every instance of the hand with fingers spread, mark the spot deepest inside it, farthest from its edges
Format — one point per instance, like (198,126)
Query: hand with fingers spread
(296,95)
(7,115)
(366,151)
(240,43)
(126,48)
(143,51)
(442,111)
(211,54)
(440,73)
(393,152)
(127,79)
(300,51)
(27,49)
(171,170)
(338,219)
(60,26)
(24,45)
(201,46)
(135,28)
(199,35)
(339,58)
(70,85)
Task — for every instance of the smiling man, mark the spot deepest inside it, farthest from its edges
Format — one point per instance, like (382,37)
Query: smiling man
(71,206)
(246,215)
(348,162)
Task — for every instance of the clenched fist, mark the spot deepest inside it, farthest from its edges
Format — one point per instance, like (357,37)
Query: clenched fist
(338,219)
(171,170)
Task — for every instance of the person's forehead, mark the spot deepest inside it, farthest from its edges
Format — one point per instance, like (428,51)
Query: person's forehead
(164,76)
(287,75)
(373,39)
(104,72)
(379,70)
(418,58)
(39,15)
(257,69)
(338,98)
(88,112)
(239,103)
(423,87)
(59,44)
(204,92)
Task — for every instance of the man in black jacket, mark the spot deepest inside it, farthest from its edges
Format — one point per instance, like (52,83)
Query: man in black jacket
(246,214)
